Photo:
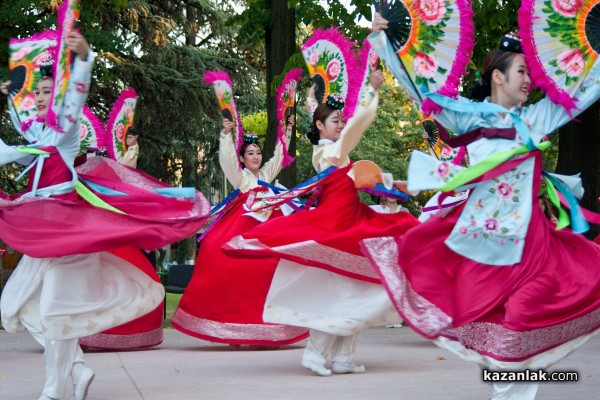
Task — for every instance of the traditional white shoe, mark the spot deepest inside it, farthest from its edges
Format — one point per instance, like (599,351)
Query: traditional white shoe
(347,368)
(315,367)
(82,379)
(44,397)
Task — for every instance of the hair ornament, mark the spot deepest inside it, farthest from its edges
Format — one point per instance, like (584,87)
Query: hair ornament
(46,63)
(511,42)
(335,101)
(250,138)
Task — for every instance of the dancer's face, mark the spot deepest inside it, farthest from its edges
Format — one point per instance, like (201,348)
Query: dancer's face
(513,85)
(331,127)
(252,158)
(130,140)
(43,94)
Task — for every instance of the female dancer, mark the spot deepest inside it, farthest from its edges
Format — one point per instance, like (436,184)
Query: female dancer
(322,282)
(66,286)
(496,284)
(226,296)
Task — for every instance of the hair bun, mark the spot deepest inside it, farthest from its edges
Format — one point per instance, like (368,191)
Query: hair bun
(335,101)
(511,42)
(250,138)
(46,63)
(313,134)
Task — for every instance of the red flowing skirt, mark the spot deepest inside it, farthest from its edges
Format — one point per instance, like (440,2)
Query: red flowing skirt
(225,298)
(145,331)
(63,225)
(325,237)
(509,313)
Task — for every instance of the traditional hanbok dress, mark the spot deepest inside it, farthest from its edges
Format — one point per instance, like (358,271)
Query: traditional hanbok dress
(495,283)
(143,332)
(66,286)
(225,298)
(322,281)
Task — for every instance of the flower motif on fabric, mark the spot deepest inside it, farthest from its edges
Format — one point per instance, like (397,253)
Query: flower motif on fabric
(490,224)
(431,12)
(333,69)
(81,87)
(425,66)
(28,102)
(563,24)
(83,131)
(568,8)
(504,189)
(446,153)
(571,62)
(119,130)
(314,58)
(495,220)
(373,60)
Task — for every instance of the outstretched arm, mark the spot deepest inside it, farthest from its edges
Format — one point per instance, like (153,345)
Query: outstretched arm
(228,158)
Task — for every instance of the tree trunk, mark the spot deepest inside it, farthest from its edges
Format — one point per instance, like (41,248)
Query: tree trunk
(280,45)
(187,247)
(578,144)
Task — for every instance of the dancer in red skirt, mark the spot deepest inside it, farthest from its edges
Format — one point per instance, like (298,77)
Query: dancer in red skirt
(496,284)
(225,297)
(323,282)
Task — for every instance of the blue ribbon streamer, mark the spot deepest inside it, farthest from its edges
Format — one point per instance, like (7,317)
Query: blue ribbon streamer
(483,107)
(187,192)
(226,200)
(380,190)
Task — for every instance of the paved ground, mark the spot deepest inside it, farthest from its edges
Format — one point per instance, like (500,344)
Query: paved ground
(400,365)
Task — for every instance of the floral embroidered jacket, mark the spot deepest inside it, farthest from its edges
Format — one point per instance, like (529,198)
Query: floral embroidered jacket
(493,225)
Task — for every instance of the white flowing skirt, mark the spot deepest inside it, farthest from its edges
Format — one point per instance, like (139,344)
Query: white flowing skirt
(78,295)
(318,299)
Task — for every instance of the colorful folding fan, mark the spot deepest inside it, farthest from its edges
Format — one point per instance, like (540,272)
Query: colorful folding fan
(221,83)
(433,40)
(441,150)
(333,67)
(369,61)
(120,120)
(25,56)
(286,106)
(68,13)
(561,42)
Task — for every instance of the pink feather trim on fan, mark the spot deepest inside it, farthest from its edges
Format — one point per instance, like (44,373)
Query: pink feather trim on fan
(292,75)
(48,34)
(97,125)
(334,36)
(463,56)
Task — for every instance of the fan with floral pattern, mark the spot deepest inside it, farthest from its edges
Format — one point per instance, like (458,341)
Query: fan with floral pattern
(333,67)
(221,83)
(433,40)
(286,106)
(68,13)
(561,42)
(25,57)
(120,120)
